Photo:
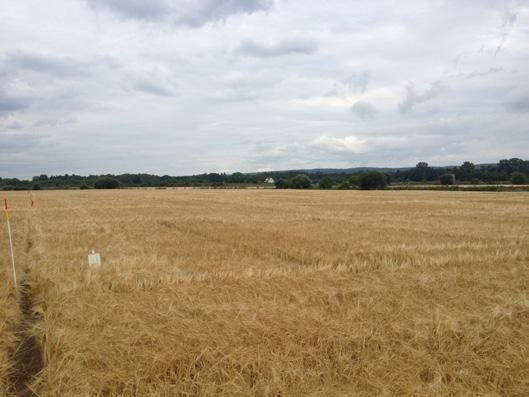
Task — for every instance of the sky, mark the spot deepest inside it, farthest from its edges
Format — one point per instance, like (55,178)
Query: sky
(182,87)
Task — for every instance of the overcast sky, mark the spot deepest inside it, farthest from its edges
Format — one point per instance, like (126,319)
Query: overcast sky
(190,86)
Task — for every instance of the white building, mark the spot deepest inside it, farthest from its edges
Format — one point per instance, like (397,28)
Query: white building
(269,179)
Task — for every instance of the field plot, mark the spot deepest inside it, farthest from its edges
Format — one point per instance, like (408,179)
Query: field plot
(10,317)
(275,293)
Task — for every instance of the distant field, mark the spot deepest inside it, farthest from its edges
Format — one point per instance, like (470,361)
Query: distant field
(272,293)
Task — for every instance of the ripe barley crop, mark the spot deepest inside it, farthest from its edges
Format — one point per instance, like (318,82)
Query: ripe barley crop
(274,293)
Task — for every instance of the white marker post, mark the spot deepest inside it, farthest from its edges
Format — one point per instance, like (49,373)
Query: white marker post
(6,211)
(94,259)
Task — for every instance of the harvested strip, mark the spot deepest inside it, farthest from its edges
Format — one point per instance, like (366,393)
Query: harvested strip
(26,358)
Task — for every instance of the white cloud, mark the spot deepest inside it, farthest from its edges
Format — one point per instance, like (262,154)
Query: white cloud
(349,143)
(280,48)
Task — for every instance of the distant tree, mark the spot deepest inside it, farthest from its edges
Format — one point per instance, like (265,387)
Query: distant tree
(237,177)
(373,180)
(215,178)
(468,167)
(507,167)
(344,186)
(35,186)
(84,187)
(107,183)
(300,181)
(422,172)
(326,183)
(467,170)
(355,180)
(519,178)
(447,179)
(14,181)
(282,183)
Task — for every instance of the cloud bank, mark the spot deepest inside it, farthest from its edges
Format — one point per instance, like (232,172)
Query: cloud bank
(181,87)
(192,13)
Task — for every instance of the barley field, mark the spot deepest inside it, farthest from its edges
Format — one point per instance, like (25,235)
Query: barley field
(270,293)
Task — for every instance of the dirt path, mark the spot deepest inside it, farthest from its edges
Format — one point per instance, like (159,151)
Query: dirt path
(26,358)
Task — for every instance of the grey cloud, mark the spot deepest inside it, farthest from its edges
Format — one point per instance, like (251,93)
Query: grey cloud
(280,48)
(15,125)
(16,62)
(331,93)
(154,88)
(57,122)
(45,123)
(233,95)
(180,12)
(10,104)
(11,142)
(363,109)
(509,19)
(115,79)
(135,9)
(518,105)
(484,73)
(413,97)
(154,80)
(357,82)
(350,151)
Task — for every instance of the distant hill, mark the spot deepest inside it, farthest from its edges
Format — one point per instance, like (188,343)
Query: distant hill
(334,170)
(356,169)
(345,170)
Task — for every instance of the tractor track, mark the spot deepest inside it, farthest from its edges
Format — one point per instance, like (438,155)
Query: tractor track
(26,357)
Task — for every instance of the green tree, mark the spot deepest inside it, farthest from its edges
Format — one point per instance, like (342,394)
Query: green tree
(326,183)
(107,183)
(237,177)
(519,178)
(467,168)
(41,177)
(300,181)
(355,180)
(374,180)
(422,172)
(282,183)
(344,186)
(447,179)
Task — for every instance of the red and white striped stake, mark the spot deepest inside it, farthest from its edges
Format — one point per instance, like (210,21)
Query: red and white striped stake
(6,211)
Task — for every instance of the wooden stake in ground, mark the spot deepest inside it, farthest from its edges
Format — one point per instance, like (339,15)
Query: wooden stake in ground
(6,211)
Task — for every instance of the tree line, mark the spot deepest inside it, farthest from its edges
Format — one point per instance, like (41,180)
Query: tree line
(512,170)
(363,180)
(515,171)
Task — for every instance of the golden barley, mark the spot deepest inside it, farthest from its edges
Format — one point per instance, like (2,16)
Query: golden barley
(275,293)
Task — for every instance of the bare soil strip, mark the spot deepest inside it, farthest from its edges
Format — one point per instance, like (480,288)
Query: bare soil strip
(26,358)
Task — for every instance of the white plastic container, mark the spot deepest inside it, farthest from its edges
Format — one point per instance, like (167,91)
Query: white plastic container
(94,259)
